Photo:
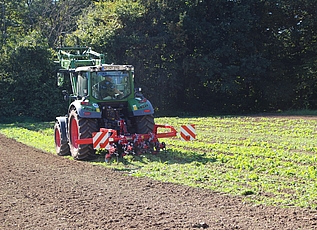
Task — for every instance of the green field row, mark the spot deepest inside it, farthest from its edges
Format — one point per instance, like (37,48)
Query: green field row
(267,160)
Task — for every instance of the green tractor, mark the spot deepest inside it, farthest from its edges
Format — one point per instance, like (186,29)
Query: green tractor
(103,97)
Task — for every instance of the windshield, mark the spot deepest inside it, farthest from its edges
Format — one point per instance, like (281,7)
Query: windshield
(110,85)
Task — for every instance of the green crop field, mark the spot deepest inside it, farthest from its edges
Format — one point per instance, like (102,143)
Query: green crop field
(267,160)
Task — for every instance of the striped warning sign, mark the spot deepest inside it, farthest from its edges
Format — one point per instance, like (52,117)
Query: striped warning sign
(101,140)
(188,132)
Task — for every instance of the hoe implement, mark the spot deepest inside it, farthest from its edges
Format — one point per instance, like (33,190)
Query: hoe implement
(127,144)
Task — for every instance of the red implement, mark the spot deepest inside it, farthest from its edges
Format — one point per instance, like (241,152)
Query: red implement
(135,144)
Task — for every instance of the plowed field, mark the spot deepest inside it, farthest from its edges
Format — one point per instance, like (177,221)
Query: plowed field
(40,190)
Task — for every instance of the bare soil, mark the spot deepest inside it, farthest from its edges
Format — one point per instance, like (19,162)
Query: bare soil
(40,190)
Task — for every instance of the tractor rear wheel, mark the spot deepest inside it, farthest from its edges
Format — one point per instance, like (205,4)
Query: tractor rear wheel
(144,124)
(61,146)
(81,128)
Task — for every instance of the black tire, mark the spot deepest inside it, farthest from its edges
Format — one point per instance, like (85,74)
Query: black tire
(81,128)
(144,124)
(61,146)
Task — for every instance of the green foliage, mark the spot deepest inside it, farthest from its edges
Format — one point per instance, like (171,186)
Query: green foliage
(13,14)
(53,18)
(29,83)
(102,21)
(223,59)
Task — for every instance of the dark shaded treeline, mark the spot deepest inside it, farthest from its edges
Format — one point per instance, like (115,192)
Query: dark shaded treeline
(203,56)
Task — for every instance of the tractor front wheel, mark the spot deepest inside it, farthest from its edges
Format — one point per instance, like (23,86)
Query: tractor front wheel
(81,128)
(61,146)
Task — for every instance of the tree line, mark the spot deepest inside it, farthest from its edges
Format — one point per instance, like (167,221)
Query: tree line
(200,56)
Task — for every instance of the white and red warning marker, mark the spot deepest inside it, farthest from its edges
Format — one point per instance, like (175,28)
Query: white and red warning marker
(188,132)
(101,139)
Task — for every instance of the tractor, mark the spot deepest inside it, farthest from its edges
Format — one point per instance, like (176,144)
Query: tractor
(105,110)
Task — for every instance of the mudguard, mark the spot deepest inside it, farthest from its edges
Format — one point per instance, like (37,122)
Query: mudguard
(140,107)
(86,111)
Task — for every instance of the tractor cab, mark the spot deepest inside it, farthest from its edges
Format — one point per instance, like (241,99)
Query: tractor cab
(106,82)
